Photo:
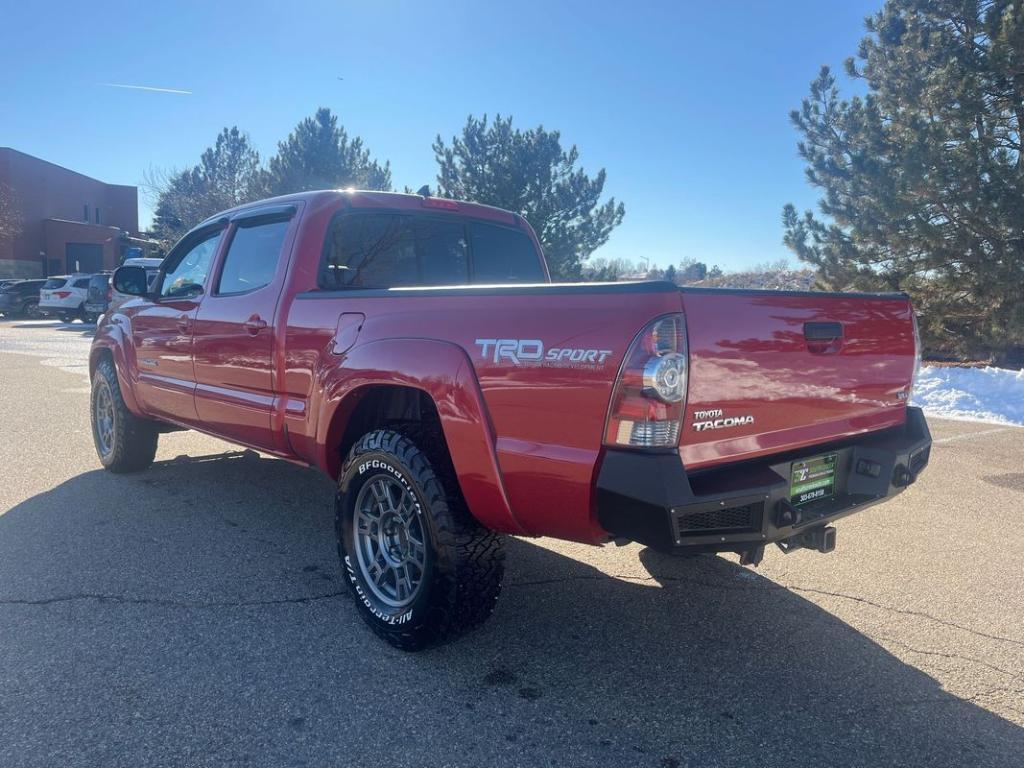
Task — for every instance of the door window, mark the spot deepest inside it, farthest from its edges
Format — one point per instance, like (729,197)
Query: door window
(186,274)
(252,257)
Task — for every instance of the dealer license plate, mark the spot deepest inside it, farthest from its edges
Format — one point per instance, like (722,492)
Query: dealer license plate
(813,479)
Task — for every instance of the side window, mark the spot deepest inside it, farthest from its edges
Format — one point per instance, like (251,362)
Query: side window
(252,257)
(369,250)
(503,255)
(389,250)
(186,274)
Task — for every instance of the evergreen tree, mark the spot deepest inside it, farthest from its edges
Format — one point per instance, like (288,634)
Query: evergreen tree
(923,177)
(228,174)
(692,271)
(670,273)
(530,173)
(319,154)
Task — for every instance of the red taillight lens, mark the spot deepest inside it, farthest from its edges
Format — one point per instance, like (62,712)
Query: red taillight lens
(62,294)
(110,294)
(650,392)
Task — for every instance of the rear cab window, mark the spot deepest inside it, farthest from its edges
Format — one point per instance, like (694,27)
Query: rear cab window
(393,250)
(54,283)
(503,255)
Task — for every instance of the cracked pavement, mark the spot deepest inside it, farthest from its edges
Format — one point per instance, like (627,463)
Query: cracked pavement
(194,614)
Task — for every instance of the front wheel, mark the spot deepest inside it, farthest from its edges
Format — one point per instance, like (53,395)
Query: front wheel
(420,567)
(124,442)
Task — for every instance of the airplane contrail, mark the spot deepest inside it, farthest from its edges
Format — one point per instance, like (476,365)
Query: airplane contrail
(147,88)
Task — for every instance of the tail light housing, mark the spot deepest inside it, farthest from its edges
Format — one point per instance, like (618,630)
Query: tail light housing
(110,294)
(62,294)
(649,396)
(917,354)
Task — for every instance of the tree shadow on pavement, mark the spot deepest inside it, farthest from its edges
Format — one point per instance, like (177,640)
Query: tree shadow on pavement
(194,613)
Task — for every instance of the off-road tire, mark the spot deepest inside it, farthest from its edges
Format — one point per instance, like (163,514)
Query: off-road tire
(134,440)
(465,562)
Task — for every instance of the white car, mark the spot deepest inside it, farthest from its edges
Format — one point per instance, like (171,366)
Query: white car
(64,297)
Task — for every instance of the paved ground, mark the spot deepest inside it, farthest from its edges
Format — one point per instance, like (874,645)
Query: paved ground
(193,615)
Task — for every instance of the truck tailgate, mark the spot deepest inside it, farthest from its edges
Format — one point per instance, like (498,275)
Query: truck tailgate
(772,371)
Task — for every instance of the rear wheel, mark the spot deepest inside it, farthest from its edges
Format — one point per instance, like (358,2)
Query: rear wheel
(124,442)
(30,310)
(420,567)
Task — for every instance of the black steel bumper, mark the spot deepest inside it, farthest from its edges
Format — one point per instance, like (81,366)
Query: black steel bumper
(651,499)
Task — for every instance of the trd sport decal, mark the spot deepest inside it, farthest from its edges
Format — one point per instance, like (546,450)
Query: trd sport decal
(532,352)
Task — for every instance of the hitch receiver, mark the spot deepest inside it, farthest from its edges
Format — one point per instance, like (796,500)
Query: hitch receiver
(821,539)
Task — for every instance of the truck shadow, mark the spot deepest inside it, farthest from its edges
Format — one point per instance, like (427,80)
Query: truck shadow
(199,606)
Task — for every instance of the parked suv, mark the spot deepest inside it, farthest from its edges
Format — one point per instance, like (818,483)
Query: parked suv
(64,297)
(98,296)
(20,298)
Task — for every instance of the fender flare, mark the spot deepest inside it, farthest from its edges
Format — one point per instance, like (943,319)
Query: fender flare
(444,372)
(110,337)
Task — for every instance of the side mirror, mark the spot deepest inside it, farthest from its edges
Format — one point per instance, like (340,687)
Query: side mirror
(130,280)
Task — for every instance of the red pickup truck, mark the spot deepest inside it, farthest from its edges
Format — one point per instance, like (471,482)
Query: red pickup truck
(415,349)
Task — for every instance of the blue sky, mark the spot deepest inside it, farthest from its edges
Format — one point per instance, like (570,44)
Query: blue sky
(685,104)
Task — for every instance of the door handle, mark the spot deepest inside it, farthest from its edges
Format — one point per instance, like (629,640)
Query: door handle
(823,338)
(823,331)
(185,323)
(254,325)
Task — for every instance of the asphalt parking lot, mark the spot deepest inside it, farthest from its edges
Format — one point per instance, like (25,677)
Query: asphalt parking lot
(194,614)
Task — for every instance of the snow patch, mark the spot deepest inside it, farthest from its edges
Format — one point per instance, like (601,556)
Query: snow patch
(987,394)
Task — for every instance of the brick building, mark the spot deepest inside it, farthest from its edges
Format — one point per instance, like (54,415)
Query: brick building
(69,222)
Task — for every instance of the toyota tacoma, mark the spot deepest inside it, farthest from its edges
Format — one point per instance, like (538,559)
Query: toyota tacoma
(415,350)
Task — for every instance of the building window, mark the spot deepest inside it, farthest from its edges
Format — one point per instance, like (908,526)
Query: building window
(85,213)
(97,214)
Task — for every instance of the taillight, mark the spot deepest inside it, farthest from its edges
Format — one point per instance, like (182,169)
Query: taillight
(62,294)
(110,294)
(650,393)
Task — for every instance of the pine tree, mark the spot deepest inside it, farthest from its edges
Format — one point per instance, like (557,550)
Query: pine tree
(530,173)
(318,154)
(228,174)
(923,177)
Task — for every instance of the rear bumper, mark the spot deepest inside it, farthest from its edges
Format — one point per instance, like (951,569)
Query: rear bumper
(651,499)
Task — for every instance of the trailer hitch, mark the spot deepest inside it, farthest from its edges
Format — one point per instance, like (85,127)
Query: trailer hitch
(821,539)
